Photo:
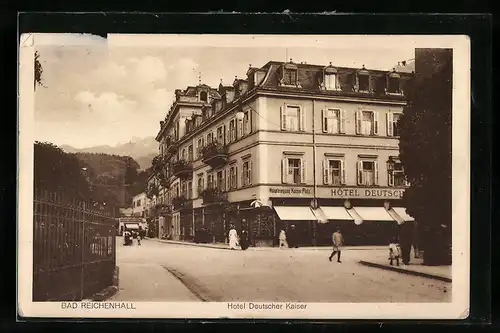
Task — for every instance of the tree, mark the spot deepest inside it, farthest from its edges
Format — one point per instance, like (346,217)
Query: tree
(56,171)
(425,151)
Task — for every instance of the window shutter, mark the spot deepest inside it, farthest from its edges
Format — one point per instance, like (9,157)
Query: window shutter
(358,122)
(302,112)
(250,172)
(375,172)
(284,170)
(325,121)
(249,121)
(283,118)
(375,122)
(390,178)
(337,82)
(325,172)
(228,179)
(342,172)
(235,185)
(342,121)
(360,172)
(390,118)
(303,171)
(239,133)
(242,174)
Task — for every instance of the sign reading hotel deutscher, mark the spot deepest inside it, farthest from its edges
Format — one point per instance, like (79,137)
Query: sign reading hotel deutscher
(375,193)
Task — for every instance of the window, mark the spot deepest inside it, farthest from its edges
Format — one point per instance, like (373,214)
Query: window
(367,172)
(183,154)
(293,170)
(190,153)
(292,118)
(233,177)
(210,137)
(366,122)
(210,181)
(220,180)
(363,82)
(393,123)
(199,147)
(330,81)
(290,77)
(189,190)
(247,125)
(246,173)
(220,134)
(184,189)
(333,121)
(201,183)
(232,130)
(393,86)
(333,172)
(397,175)
(203,96)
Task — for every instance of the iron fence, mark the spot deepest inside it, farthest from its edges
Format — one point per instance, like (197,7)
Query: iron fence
(73,248)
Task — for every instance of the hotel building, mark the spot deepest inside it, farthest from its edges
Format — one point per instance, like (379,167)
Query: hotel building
(310,145)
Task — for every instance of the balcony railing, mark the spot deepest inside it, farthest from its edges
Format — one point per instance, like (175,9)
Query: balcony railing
(215,154)
(213,195)
(182,169)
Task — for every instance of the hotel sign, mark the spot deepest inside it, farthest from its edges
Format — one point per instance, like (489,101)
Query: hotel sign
(291,191)
(367,193)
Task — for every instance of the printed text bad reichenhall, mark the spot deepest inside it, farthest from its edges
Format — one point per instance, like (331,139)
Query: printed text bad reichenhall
(98,305)
(266,306)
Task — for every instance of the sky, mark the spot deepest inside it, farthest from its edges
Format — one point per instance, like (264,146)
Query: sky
(109,91)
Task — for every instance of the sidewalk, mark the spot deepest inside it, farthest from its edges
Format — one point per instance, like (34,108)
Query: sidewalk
(150,282)
(416,267)
(224,246)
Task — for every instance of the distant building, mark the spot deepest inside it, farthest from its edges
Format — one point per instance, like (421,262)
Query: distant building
(290,144)
(139,205)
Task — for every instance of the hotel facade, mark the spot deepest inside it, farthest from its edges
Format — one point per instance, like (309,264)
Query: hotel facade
(315,146)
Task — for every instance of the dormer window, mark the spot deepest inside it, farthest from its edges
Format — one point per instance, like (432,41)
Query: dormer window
(330,78)
(204,96)
(290,73)
(363,80)
(393,83)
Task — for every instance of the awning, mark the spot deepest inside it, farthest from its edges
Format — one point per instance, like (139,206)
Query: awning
(336,213)
(373,214)
(402,212)
(132,226)
(295,213)
(357,219)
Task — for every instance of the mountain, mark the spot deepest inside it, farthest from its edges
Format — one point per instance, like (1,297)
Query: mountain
(140,149)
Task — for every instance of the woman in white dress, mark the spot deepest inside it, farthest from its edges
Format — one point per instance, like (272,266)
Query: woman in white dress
(233,238)
(282,239)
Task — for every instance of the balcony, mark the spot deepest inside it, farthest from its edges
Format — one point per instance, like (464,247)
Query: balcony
(172,145)
(182,169)
(215,155)
(213,196)
(181,202)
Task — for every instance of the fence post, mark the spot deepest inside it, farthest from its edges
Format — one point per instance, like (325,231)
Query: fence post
(83,254)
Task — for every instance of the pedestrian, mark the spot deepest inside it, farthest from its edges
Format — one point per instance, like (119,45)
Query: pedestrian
(244,242)
(233,238)
(394,251)
(282,239)
(292,237)
(139,239)
(338,242)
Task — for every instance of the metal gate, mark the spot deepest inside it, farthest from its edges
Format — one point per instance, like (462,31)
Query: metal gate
(74,248)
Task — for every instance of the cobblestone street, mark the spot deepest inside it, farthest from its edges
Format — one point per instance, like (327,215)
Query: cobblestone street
(157,271)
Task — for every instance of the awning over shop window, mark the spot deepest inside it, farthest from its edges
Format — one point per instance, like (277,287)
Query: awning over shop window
(336,213)
(373,214)
(320,215)
(132,226)
(402,212)
(295,213)
(357,219)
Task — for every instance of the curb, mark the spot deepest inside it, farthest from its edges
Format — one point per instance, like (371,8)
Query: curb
(405,271)
(109,291)
(319,248)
